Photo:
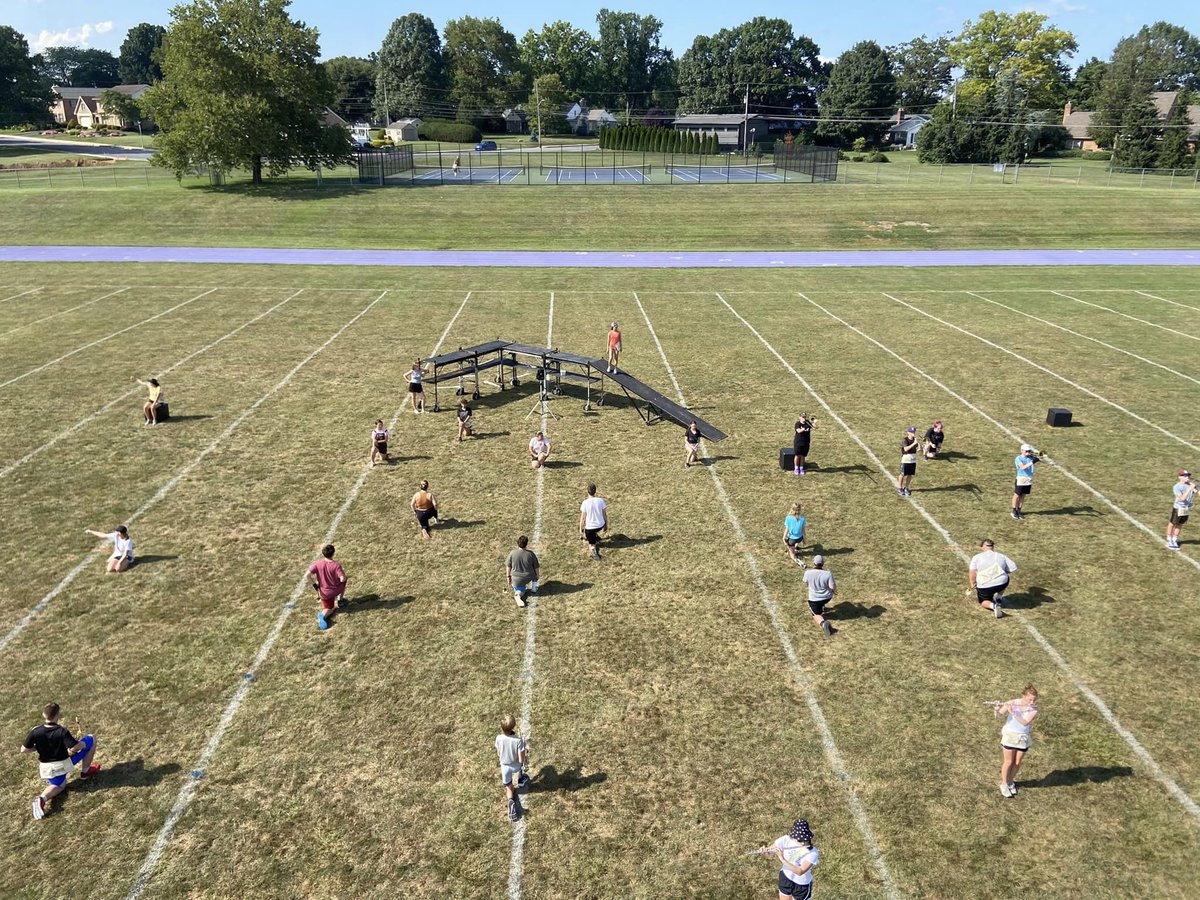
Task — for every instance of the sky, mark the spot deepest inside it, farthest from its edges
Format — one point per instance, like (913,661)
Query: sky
(358,27)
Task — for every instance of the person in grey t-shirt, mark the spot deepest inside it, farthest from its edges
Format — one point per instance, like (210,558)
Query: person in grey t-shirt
(523,570)
(821,588)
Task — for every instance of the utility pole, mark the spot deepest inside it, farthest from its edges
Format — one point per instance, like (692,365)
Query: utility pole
(746,124)
(954,100)
(538,98)
(387,109)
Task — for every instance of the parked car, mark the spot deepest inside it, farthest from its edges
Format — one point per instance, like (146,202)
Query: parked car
(485,145)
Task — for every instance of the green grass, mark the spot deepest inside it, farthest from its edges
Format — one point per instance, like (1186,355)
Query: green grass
(14,156)
(669,733)
(128,139)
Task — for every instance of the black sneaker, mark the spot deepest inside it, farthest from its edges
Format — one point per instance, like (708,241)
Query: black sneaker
(514,809)
(1016,515)
(827,628)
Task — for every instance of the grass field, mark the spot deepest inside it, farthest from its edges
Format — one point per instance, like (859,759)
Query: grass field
(672,728)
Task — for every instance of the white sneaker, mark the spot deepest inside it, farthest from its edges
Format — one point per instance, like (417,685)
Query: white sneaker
(997,609)
(1005,791)
(1012,789)
(39,806)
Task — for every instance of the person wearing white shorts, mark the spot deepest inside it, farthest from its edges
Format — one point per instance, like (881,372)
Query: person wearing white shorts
(510,748)
(1015,736)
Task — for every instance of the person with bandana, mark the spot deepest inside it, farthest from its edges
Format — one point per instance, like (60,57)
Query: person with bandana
(797,856)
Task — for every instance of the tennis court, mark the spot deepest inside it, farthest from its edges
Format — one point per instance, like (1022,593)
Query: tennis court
(725,174)
(447,175)
(597,175)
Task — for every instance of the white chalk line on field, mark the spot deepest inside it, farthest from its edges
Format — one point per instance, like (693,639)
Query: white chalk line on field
(1016,438)
(62,313)
(175,479)
(107,337)
(22,294)
(516,860)
(1052,374)
(196,773)
(1164,300)
(1126,735)
(832,754)
(12,467)
(1117,312)
(1109,346)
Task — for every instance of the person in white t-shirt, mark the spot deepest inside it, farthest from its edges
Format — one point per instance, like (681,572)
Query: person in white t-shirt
(593,519)
(539,450)
(797,856)
(987,575)
(122,552)
(510,748)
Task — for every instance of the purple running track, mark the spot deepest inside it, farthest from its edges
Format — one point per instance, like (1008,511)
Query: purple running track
(606,259)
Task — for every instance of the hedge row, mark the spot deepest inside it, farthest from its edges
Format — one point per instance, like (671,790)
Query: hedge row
(653,139)
(450,132)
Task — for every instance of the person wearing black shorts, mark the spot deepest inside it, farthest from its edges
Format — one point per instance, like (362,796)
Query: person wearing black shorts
(691,445)
(933,439)
(416,390)
(1184,497)
(379,442)
(801,441)
(424,506)
(908,460)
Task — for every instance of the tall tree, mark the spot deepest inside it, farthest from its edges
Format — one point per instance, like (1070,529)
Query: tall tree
(24,93)
(484,63)
(1020,45)
(114,103)
(783,71)
(78,67)
(548,102)
(1084,90)
(138,62)
(861,88)
(632,65)
(1137,144)
(242,87)
(1173,151)
(353,81)
(410,70)
(561,49)
(1167,55)
(922,70)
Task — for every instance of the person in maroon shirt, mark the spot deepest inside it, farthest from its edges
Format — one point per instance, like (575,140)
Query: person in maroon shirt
(328,579)
(58,753)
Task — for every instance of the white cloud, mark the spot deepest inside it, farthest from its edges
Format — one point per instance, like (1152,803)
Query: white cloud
(1055,7)
(71,37)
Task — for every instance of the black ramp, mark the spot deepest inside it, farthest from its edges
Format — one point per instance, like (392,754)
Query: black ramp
(667,408)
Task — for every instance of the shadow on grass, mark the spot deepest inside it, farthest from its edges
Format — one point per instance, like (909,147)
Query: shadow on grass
(1065,511)
(619,541)
(952,455)
(487,435)
(966,486)
(709,460)
(856,469)
(371,603)
(818,550)
(127,773)
(1078,775)
(548,779)
(456,523)
(557,588)
(396,460)
(847,611)
(561,464)
(1030,599)
(149,559)
(175,418)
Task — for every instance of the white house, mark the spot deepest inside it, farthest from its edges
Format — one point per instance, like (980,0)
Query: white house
(403,130)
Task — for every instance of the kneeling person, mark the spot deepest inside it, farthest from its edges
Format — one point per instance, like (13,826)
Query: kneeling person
(524,571)
(58,753)
(988,576)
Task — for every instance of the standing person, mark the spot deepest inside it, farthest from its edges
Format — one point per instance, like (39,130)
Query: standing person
(1025,461)
(593,519)
(987,575)
(539,450)
(793,534)
(379,442)
(933,439)
(797,856)
(614,347)
(523,570)
(328,579)
(122,552)
(58,753)
(1185,496)
(153,401)
(909,446)
(691,445)
(800,442)
(464,416)
(457,160)
(416,390)
(510,748)
(424,505)
(1015,736)
(821,588)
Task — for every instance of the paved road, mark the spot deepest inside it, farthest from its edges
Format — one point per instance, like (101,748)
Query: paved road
(76,148)
(567,259)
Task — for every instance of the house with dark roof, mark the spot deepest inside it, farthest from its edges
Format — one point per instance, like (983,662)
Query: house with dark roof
(1077,122)
(727,127)
(903,134)
(82,105)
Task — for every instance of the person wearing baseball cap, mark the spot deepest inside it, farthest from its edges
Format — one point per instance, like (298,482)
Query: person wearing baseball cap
(909,446)
(821,588)
(1025,461)
(1185,496)
(797,856)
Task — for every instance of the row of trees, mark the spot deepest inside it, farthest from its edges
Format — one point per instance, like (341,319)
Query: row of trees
(657,139)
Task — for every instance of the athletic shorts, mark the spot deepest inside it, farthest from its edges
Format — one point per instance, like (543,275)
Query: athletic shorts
(327,603)
(1178,516)
(1015,740)
(381,446)
(1022,490)
(415,388)
(592,535)
(800,448)
(789,888)
(908,468)
(793,543)
(989,593)
(509,774)
(817,607)
(465,423)
(690,447)
(76,759)
(424,515)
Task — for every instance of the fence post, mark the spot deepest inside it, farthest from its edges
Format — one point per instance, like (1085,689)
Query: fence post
(1171,183)
(49,179)
(18,171)
(1142,180)
(908,174)
(941,169)
(81,175)
(877,173)
(1049,169)
(971,174)
(1109,182)
(1079,177)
